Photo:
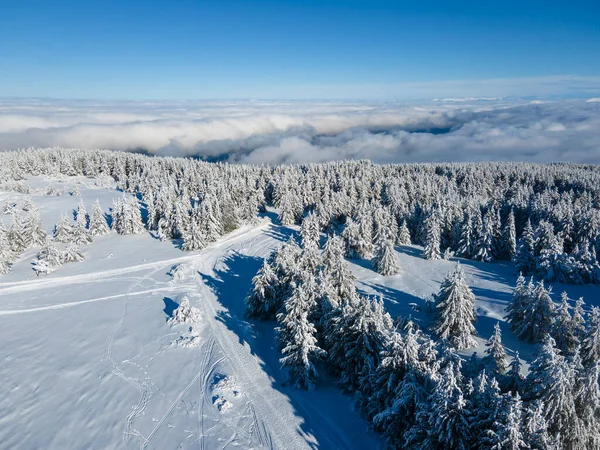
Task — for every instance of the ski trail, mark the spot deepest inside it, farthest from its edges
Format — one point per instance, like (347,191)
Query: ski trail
(206,357)
(92,300)
(31,285)
(247,369)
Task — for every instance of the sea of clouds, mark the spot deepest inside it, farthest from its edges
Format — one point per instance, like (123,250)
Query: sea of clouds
(462,129)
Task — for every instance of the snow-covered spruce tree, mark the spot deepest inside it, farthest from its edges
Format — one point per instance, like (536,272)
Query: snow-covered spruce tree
(551,379)
(71,254)
(507,428)
(336,270)
(524,258)
(355,333)
(466,243)
(485,243)
(590,349)
(127,218)
(36,230)
(80,234)
(184,313)
(587,404)
(356,245)
(562,328)
(385,261)
(536,427)
(18,235)
(509,235)
(264,300)
(432,240)
(98,224)
(297,338)
(514,379)
(48,259)
(520,302)
(6,253)
(403,234)
(446,420)
(483,395)
(497,361)
(310,231)
(193,238)
(538,316)
(455,310)
(63,231)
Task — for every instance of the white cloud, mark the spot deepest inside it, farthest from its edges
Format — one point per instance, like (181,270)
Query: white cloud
(457,129)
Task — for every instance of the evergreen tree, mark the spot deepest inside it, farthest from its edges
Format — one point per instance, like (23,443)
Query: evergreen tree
(385,261)
(356,246)
(403,234)
(497,360)
(510,236)
(507,428)
(36,230)
(432,242)
(297,337)
(193,239)
(590,350)
(6,253)
(80,235)
(264,300)
(562,328)
(514,378)
(536,427)
(455,306)
(310,232)
(524,258)
(521,298)
(447,422)
(484,397)
(538,316)
(63,231)
(72,254)
(48,259)
(98,224)
(552,380)
(485,243)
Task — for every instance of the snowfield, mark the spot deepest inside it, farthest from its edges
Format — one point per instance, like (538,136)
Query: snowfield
(89,359)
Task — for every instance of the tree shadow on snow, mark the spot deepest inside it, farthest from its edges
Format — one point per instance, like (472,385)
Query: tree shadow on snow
(170,306)
(327,417)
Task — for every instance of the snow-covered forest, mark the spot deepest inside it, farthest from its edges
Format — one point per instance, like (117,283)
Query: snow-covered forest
(415,377)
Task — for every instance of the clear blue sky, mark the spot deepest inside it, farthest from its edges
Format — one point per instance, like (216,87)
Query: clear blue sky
(287,49)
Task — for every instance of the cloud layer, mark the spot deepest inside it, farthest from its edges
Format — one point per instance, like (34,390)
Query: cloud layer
(271,132)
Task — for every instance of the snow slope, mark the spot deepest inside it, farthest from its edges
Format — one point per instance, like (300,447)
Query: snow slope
(89,361)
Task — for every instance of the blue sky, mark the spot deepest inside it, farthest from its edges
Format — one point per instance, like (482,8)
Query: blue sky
(298,49)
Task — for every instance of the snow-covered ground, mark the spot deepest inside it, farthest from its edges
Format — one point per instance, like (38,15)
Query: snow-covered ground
(89,360)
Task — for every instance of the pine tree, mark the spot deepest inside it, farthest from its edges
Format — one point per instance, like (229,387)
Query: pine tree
(485,243)
(356,245)
(310,232)
(590,351)
(507,428)
(432,242)
(184,313)
(538,316)
(448,416)
(455,306)
(18,236)
(587,404)
(510,236)
(193,239)
(562,328)
(264,300)
(484,397)
(536,427)
(497,360)
(514,378)
(336,269)
(466,244)
(552,380)
(72,254)
(385,261)
(521,299)
(98,224)
(63,231)
(36,230)
(403,234)
(6,253)
(80,235)
(297,337)
(48,259)
(524,258)
(127,218)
